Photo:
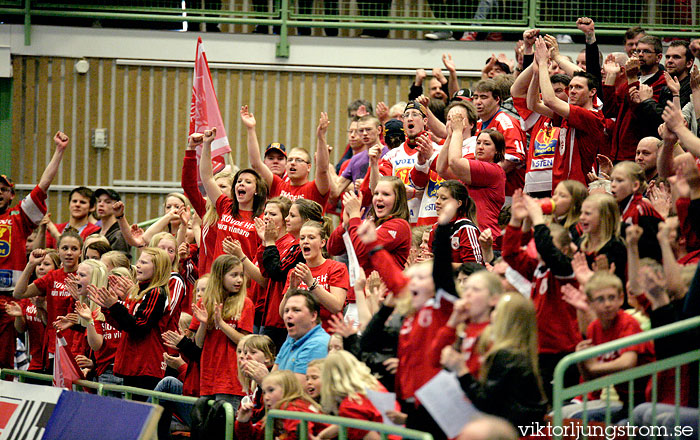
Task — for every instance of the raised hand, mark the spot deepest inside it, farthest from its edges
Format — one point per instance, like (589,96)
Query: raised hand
(645,92)
(232,247)
(672,83)
(194,140)
(420,76)
(61,140)
(610,65)
(183,251)
(382,112)
(247,117)
(367,232)
(632,67)
(118,208)
(605,165)
(83,311)
(36,257)
(338,325)
(586,25)
(209,136)
(633,233)
(695,79)
(518,210)
(425,148)
(322,125)
(13,309)
(449,62)
(304,273)
(72,286)
(673,117)
(575,297)
(582,272)
(530,36)
(352,203)
(660,197)
(200,313)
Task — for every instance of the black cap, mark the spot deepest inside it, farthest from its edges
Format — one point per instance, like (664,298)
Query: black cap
(276,146)
(112,194)
(415,105)
(462,95)
(393,128)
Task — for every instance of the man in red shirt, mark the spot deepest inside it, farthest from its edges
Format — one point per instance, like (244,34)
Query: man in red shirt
(643,68)
(582,127)
(487,100)
(16,224)
(298,165)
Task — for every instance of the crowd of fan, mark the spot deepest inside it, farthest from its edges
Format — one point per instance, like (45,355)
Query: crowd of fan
(552,207)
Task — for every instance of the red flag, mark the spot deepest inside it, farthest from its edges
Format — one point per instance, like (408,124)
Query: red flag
(65,369)
(204,111)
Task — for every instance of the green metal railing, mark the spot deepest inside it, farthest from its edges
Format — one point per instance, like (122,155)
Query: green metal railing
(343,422)
(562,394)
(102,389)
(612,17)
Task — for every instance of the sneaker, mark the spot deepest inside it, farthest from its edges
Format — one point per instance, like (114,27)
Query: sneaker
(468,36)
(564,39)
(438,35)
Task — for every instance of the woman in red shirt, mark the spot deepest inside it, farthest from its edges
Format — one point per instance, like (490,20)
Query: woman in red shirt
(277,257)
(327,280)
(140,351)
(236,214)
(281,390)
(221,319)
(53,286)
(177,291)
(483,175)
(390,213)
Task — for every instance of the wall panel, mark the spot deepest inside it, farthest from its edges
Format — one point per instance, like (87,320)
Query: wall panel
(146,111)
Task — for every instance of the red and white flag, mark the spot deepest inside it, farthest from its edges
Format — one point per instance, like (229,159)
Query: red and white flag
(65,369)
(204,111)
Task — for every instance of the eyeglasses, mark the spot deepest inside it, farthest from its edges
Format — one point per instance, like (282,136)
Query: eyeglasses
(644,51)
(297,160)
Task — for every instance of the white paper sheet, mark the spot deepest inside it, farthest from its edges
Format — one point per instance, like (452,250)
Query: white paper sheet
(353,263)
(383,402)
(444,399)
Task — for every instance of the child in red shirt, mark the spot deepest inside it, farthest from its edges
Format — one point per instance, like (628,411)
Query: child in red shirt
(281,390)
(222,318)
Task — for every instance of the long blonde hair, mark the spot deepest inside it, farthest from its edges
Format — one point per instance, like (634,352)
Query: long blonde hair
(161,273)
(214,293)
(578,193)
(514,328)
(98,278)
(291,391)
(609,218)
(404,304)
(155,241)
(344,376)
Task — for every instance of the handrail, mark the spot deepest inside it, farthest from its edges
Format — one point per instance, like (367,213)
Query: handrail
(129,392)
(343,422)
(561,394)
(532,14)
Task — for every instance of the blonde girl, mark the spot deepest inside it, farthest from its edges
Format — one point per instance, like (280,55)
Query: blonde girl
(177,290)
(281,390)
(256,357)
(508,384)
(222,318)
(568,196)
(114,259)
(628,186)
(600,224)
(140,351)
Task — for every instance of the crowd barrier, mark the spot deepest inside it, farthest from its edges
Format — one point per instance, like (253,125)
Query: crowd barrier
(103,389)
(562,394)
(343,422)
(613,17)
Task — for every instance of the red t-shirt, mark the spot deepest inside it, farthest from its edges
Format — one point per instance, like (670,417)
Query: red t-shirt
(306,191)
(104,357)
(581,135)
(624,325)
(509,127)
(488,190)
(359,407)
(329,274)
(241,228)
(415,337)
(35,331)
(59,302)
(218,365)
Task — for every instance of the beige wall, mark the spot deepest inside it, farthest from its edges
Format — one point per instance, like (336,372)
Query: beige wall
(146,110)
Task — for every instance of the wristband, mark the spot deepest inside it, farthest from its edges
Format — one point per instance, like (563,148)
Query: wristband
(119,217)
(91,322)
(676,96)
(243,258)
(313,285)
